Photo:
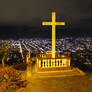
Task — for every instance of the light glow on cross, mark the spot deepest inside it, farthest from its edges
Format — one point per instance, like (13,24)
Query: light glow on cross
(53,24)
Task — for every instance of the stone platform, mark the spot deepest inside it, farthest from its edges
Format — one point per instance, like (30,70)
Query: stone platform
(62,81)
(55,82)
(63,73)
(53,69)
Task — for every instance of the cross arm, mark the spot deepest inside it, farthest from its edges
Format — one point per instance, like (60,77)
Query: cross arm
(60,23)
(46,23)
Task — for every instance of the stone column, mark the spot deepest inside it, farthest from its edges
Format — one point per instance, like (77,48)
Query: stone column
(45,63)
(54,63)
(68,62)
(51,63)
(39,63)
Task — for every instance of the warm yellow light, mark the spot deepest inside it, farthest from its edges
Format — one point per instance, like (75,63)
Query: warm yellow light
(53,24)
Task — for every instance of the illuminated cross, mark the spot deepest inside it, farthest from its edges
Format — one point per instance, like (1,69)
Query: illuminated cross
(53,24)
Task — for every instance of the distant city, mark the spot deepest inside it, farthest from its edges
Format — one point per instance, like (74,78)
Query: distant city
(41,45)
(80,48)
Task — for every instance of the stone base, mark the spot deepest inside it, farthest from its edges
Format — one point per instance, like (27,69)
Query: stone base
(63,73)
(53,69)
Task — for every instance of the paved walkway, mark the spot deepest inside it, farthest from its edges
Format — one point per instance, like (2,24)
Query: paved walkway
(58,84)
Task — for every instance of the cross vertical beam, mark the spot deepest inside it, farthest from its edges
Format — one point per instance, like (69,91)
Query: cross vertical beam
(53,34)
(53,24)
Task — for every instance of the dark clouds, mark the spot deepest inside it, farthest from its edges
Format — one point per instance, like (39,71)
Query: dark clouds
(26,10)
(77,13)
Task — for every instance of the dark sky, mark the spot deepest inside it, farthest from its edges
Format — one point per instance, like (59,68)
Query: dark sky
(22,18)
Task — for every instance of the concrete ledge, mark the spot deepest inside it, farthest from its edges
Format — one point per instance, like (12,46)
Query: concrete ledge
(72,72)
(44,69)
(81,72)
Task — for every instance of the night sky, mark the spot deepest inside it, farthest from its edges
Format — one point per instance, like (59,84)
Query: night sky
(22,18)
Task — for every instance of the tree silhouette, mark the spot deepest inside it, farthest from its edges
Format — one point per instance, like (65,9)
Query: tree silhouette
(3,55)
